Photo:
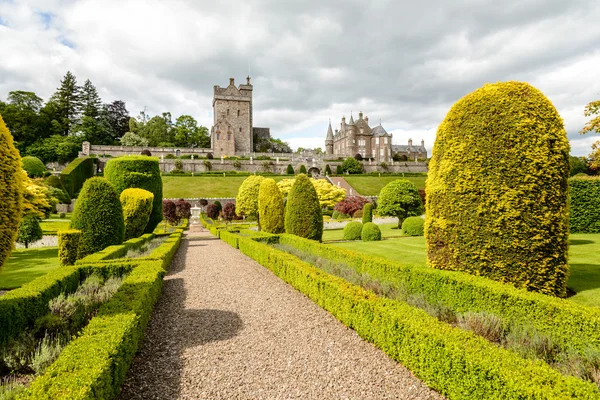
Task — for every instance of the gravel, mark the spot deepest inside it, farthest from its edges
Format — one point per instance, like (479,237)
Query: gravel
(227,328)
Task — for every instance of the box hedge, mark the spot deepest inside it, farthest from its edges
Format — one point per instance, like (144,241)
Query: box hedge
(352,230)
(584,193)
(137,207)
(370,232)
(68,246)
(76,173)
(413,226)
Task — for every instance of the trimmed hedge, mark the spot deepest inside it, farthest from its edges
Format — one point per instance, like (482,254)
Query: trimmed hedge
(117,251)
(457,363)
(68,246)
(138,172)
(352,230)
(34,167)
(99,216)
(137,207)
(370,232)
(270,207)
(367,213)
(584,193)
(503,214)
(76,173)
(413,226)
(303,212)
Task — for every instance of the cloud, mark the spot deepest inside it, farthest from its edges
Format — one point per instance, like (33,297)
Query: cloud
(405,63)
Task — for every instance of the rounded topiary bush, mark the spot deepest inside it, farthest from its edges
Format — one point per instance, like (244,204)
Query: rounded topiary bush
(413,226)
(352,230)
(141,172)
(270,207)
(370,232)
(302,169)
(137,207)
(34,167)
(289,170)
(303,212)
(11,192)
(246,201)
(497,189)
(98,215)
(367,213)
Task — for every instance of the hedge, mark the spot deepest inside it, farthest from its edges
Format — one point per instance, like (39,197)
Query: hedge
(457,363)
(34,167)
(370,232)
(503,214)
(270,207)
(117,251)
(303,211)
(352,230)
(68,246)
(76,173)
(413,226)
(137,207)
(584,193)
(367,213)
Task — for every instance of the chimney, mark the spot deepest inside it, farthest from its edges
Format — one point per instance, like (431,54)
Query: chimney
(231,81)
(422,143)
(360,115)
(367,119)
(410,142)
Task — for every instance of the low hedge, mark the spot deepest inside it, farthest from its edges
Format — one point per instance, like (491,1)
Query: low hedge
(569,324)
(68,246)
(117,251)
(76,173)
(457,363)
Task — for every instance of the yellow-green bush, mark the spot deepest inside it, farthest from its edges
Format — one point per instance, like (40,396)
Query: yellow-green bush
(270,207)
(413,226)
(137,207)
(497,189)
(303,215)
(11,192)
(352,230)
(246,201)
(584,215)
(370,232)
(68,246)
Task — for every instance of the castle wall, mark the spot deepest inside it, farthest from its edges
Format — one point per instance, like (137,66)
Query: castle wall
(237,113)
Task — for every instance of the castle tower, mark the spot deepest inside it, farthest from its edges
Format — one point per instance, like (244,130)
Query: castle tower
(329,140)
(232,108)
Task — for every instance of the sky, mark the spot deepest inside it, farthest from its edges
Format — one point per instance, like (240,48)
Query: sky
(402,62)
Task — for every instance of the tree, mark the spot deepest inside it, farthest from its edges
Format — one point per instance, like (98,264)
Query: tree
(229,212)
(34,167)
(367,213)
(91,104)
(270,207)
(56,148)
(351,204)
(116,116)
(400,198)
(593,125)
(169,211)
(338,170)
(183,209)
(37,199)
(302,169)
(189,134)
(303,215)
(329,195)
(289,170)
(327,170)
(247,197)
(21,115)
(68,103)
(212,211)
(577,165)
(358,157)
(29,230)
(352,166)
(131,139)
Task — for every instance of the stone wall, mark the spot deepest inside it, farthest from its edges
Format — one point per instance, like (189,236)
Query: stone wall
(119,151)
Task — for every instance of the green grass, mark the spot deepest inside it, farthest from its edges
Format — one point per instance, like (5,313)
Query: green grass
(584,259)
(372,185)
(204,186)
(24,265)
(51,227)
(387,231)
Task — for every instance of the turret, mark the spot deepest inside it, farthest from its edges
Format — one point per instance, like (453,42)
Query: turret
(329,140)
(422,143)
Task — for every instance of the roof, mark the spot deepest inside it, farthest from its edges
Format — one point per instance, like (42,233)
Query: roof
(396,148)
(379,131)
(329,132)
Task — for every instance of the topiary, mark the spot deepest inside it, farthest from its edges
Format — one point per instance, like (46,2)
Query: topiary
(303,213)
(138,172)
(358,157)
(358,214)
(212,211)
(370,232)
(327,170)
(400,198)
(413,226)
(34,167)
(209,156)
(137,207)
(584,194)
(229,213)
(352,166)
(302,169)
(146,152)
(55,182)
(68,246)
(352,230)
(218,204)
(367,213)
(290,170)
(99,216)
(11,192)
(503,213)
(246,200)
(29,230)
(270,207)
(339,170)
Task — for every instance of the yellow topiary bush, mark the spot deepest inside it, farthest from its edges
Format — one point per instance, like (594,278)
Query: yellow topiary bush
(137,207)
(497,189)
(270,207)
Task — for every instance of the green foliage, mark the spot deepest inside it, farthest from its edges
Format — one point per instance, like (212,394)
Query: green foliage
(29,230)
(76,173)
(302,169)
(62,149)
(577,165)
(99,216)
(119,250)
(34,167)
(496,215)
(584,204)
(352,166)
(68,246)
(370,232)
(138,172)
(131,139)
(339,170)
(246,201)
(413,226)
(11,192)
(367,213)
(327,170)
(217,203)
(55,182)
(270,207)
(137,207)
(302,212)
(400,198)
(290,170)
(352,230)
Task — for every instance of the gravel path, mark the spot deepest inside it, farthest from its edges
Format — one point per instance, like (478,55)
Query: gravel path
(227,328)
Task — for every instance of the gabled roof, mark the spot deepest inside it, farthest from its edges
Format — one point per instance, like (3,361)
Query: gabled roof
(379,131)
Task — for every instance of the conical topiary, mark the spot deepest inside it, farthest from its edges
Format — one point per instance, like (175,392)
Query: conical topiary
(270,207)
(303,215)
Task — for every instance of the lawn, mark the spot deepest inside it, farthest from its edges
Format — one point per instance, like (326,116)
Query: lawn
(24,265)
(371,185)
(50,227)
(584,259)
(175,187)
(387,231)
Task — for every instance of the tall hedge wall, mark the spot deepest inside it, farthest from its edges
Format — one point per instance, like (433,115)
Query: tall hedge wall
(76,173)
(11,192)
(497,189)
(585,204)
(303,215)
(141,172)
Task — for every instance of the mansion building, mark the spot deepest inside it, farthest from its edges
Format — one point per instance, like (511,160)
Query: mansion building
(359,138)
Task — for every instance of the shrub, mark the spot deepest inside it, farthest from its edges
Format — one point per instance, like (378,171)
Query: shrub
(423,196)
(137,207)
(68,246)
(178,166)
(29,230)
(237,164)
(146,153)
(61,196)
(60,193)
(34,167)
(207,165)
(351,204)
(183,209)
(270,207)
(203,202)
(138,172)
(303,213)
(247,197)
(352,166)
(367,213)
(62,215)
(54,181)
(400,199)
(11,192)
(496,215)
(413,226)
(327,170)
(339,170)
(358,214)
(290,170)
(352,230)
(302,169)
(358,157)
(229,212)
(218,204)
(584,193)
(209,156)
(99,216)
(370,232)
(212,211)
(384,165)
(76,173)
(169,211)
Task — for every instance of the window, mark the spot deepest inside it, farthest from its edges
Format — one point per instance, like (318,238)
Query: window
(384,140)
(240,129)
(218,135)
(238,113)
(381,152)
(229,136)
(377,140)
(228,111)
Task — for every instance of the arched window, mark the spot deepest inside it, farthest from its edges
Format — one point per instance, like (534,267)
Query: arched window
(229,136)
(178,153)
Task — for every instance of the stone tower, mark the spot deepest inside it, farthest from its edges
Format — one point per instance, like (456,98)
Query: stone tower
(329,140)
(232,110)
